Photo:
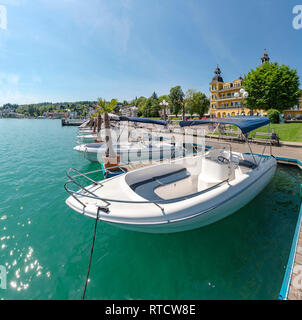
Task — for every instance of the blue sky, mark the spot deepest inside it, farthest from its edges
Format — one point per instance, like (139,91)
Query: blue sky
(69,50)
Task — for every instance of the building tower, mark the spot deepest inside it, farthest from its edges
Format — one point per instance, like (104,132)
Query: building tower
(265,57)
(217,76)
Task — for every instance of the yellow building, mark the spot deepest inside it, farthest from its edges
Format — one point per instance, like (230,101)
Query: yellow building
(223,100)
(296,111)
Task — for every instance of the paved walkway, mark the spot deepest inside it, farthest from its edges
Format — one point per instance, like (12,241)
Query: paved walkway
(285,150)
(295,291)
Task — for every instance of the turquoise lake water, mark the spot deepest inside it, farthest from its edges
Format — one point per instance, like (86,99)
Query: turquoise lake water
(45,246)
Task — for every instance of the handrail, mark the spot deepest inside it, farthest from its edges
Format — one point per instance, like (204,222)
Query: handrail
(83,175)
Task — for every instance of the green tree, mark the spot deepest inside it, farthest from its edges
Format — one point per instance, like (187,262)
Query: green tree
(154,96)
(155,108)
(188,101)
(274,115)
(197,102)
(147,108)
(176,97)
(272,86)
(31,110)
(139,103)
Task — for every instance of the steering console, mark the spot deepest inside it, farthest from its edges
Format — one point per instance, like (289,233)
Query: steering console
(223,160)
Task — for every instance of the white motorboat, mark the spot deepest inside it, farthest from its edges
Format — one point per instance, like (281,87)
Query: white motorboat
(87,138)
(184,194)
(132,144)
(86,132)
(131,151)
(90,137)
(84,124)
(86,135)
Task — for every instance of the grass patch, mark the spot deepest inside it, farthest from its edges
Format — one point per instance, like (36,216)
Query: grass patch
(286,131)
(291,132)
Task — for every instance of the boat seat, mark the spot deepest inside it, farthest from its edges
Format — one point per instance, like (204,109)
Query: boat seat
(146,188)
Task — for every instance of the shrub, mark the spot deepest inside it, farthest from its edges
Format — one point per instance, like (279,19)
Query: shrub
(274,115)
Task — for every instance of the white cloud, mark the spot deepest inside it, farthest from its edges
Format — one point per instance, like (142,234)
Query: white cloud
(14,96)
(12,90)
(3,17)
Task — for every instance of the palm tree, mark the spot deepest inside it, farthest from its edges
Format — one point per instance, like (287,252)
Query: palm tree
(91,122)
(99,122)
(105,108)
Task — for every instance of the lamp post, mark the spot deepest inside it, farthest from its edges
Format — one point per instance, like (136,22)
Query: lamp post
(242,93)
(164,104)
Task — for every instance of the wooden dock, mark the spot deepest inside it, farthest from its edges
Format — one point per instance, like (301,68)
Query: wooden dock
(72,122)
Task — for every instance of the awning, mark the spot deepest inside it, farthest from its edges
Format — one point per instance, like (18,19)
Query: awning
(245,124)
(144,120)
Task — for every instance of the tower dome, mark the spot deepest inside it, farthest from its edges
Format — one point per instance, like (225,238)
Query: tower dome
(265,57)
(218,76)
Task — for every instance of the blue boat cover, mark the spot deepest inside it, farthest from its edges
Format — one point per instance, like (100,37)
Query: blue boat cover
(117,118)
(144,120)
(244,123)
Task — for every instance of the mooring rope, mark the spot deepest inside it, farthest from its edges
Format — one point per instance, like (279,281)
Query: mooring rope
(91,254)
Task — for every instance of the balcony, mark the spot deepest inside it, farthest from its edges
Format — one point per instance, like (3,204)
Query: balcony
(228,108)
(225,90)
(229,98)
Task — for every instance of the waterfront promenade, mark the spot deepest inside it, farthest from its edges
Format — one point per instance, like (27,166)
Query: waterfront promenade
(295,289)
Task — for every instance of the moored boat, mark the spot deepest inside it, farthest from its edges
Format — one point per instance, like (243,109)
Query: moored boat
(184,194)
(131,151)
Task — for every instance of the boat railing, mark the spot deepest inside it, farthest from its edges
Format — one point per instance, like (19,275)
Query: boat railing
(84,192)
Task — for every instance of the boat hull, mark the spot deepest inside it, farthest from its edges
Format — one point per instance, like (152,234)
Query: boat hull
(195,213)
(130,155)
(204,219)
